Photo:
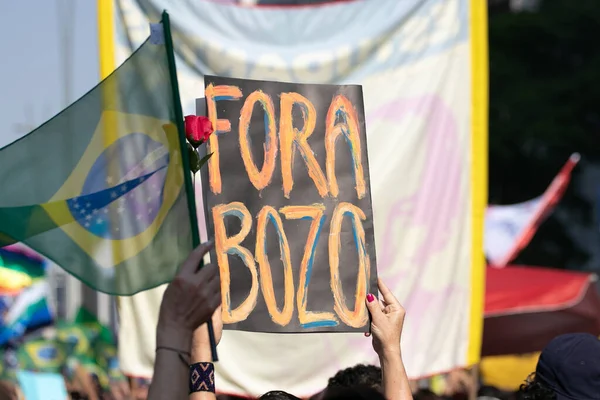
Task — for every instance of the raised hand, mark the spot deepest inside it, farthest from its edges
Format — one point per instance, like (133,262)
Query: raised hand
(201,343)
(190,299)
(387,320)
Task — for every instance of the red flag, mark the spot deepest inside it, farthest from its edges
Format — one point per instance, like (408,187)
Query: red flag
(508,229)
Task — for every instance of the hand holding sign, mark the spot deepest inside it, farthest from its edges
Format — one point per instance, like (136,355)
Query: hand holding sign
(201,341)
(278,273)
(189,301)
(387,319)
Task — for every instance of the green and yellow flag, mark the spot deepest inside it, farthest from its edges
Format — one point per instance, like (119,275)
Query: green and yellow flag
(42,355)
(100,189)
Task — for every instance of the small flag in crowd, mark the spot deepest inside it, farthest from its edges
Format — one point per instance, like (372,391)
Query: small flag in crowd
(42,355)
(24,312)
(18,271)
(24,293)
(509,228)
(83,342)
(91,345)
(9,364)
(99,188)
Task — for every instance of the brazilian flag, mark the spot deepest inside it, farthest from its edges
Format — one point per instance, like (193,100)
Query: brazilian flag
(42,355)
(101,189)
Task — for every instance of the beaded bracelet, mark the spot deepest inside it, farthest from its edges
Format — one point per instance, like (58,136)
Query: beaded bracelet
(202,377)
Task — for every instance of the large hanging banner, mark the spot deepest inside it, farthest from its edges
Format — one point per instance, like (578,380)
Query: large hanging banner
(422,65)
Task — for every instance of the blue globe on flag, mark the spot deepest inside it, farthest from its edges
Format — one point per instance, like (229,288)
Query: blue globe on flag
(123,191)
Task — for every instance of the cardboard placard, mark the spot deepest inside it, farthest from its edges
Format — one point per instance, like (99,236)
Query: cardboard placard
(288,202)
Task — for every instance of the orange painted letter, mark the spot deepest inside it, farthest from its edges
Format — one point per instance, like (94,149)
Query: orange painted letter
(315,212)
(225,246)
(266,279)
(342,120)
(292,139)
(260,179)
(214,94)
(359,317)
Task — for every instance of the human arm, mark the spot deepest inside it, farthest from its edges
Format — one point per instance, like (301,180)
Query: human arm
(201,351)
(83,379)
(459,381)
(188,302)
(387,319)
(394,378)
(171,369)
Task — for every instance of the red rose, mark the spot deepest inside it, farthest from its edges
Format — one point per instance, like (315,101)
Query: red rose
(197,129)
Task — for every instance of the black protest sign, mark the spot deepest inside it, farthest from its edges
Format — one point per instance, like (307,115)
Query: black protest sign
(288,202)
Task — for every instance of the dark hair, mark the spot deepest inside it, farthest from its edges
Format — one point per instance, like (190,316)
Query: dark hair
(278,395)
(352,393)
(533,389)
(425,394)
(359,375)
(491,391)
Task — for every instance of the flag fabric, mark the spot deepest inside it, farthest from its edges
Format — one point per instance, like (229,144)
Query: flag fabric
(20,248)
(42,355)
(102,332)
(503,224)
(103,358)
(570,236)
(86,337)
(84,342)
(509,228)
(18,271)
(422,65)
(78,338)
(9,364)
(99,188)
(24,312)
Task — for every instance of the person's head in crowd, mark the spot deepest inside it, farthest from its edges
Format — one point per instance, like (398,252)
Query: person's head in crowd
(493,393)
(425,394)
(533,389)
(568,369)
(359,375)
(278,395)
(360,392)
(8,390)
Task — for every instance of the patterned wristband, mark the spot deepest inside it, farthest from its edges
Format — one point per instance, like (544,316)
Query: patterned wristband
(202,377)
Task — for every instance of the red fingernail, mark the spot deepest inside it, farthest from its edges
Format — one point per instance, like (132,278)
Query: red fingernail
(370,297)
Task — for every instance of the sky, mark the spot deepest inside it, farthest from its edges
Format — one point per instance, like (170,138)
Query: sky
(31,77)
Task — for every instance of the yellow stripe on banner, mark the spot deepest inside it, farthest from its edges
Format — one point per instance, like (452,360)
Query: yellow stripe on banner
(479,170)
(106,47)
(106,37)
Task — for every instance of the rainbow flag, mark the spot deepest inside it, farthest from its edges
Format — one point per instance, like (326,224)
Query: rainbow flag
(24,312)
(19,270)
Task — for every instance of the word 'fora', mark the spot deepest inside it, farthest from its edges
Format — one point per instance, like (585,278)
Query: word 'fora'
(262,277)
(341,121)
